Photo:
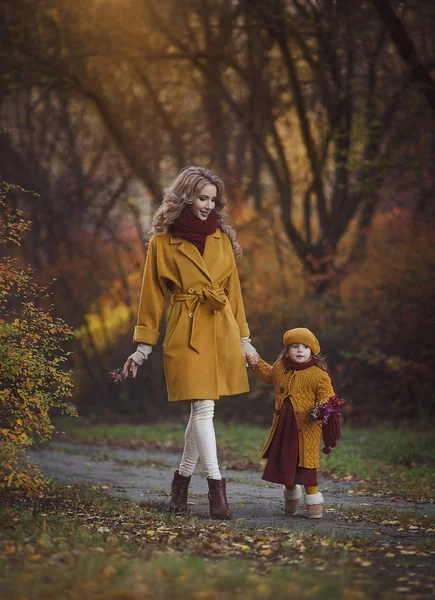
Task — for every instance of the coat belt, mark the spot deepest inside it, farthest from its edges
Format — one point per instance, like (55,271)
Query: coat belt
(216,297)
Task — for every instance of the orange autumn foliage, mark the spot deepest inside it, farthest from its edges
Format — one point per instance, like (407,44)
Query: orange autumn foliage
(388,320)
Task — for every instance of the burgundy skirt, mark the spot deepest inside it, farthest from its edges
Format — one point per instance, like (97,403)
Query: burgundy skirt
(283,453)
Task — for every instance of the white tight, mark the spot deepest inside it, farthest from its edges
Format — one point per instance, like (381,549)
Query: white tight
(200,441)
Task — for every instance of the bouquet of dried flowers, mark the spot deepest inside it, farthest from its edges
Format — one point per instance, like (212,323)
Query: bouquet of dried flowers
(329,413)
(324,411)
(116,375)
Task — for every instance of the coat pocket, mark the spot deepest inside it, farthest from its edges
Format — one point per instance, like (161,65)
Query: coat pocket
(173,322)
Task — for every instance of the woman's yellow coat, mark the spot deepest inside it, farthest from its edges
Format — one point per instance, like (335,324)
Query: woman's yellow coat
(206,318)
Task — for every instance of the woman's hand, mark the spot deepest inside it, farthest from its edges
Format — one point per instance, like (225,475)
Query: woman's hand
(136,359)
(130,365)
(252,360)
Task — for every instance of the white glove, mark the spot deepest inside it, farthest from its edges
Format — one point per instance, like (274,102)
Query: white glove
(141,354)
(248,348)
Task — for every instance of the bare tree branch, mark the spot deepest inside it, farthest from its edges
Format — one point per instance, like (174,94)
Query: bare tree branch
(407,49)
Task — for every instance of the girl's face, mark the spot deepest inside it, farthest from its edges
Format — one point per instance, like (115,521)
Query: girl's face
(204,203)
(299,353)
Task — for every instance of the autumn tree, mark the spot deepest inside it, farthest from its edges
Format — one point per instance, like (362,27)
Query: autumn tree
(304,106)
(308,110)
(84,235)
(322,98)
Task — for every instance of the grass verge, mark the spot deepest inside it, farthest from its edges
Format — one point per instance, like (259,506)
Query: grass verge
(412,520)
(395,463)
(75,542)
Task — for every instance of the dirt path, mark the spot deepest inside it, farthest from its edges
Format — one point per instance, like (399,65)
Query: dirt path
(254,503)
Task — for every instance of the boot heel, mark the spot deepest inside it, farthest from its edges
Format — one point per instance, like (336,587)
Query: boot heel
(217,498)
(179,488)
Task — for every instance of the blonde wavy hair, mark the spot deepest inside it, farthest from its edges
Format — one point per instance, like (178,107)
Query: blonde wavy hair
(185,188)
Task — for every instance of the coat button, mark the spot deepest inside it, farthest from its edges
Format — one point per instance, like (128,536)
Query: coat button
(296,412)
(191,315)
(281,390)
(278,412)
(208,286)
(190,291)
(299,430)
(286,371)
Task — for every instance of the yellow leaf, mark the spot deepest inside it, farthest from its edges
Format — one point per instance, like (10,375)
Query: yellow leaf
(363,563)
(35,557)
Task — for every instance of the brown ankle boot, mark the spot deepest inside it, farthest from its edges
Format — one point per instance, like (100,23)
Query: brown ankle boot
(217,498)
(179,487)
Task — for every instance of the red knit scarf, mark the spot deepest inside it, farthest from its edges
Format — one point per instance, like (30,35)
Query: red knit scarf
(289,364)
(192,229)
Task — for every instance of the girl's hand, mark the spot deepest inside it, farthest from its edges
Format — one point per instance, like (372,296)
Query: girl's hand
(252,360)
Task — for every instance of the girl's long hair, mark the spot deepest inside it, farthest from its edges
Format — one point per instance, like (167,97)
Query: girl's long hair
(319,360)
(185,188)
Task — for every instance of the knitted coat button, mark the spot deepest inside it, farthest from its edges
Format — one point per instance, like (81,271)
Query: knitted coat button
(286,371)
(278,412)
(190,291)
(281,390)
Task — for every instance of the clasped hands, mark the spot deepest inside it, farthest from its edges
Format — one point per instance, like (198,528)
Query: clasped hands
(250,353)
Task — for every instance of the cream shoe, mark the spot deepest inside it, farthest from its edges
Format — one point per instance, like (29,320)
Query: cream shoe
(314,502)
(292,499)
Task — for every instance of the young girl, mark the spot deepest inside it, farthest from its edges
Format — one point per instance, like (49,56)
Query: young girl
(300,378)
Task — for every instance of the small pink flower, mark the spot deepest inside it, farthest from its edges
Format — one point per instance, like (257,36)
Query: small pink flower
(116,375)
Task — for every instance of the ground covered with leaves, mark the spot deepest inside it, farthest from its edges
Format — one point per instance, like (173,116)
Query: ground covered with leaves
(76,542)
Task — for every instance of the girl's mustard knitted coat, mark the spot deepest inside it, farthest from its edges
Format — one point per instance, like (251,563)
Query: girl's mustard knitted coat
(303,388)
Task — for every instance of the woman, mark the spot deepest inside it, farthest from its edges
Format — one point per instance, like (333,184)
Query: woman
(191,259)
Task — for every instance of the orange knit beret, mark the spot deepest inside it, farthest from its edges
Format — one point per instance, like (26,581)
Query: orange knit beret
(301,335)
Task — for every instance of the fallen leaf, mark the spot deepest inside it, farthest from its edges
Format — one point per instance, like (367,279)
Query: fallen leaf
(363,563)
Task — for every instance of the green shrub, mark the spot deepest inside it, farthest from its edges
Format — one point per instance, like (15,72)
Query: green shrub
(32,377)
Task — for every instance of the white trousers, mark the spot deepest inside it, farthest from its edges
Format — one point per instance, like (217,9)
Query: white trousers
(200,441)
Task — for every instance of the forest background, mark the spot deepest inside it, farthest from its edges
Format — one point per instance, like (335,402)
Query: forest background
(319,115)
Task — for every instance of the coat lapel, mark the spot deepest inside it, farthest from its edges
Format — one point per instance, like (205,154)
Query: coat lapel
(192,253)
(213,254)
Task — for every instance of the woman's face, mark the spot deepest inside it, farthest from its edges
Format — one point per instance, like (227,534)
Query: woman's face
(299,353)
(204,203)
